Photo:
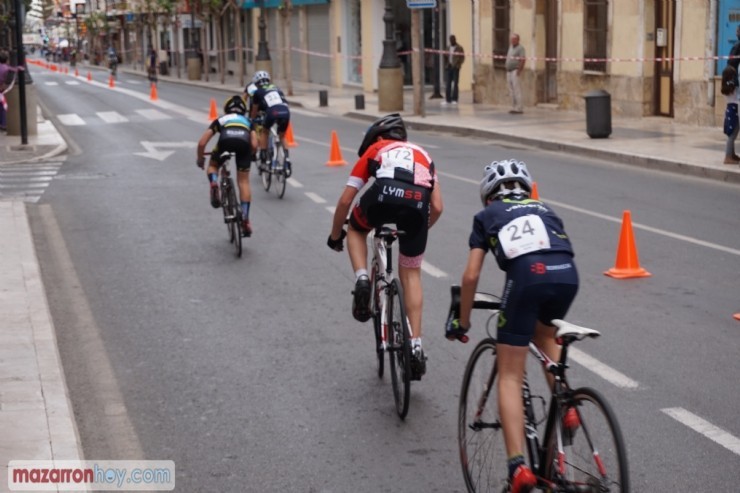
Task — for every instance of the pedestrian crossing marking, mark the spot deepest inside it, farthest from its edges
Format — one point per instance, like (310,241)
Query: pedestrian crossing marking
(71,119)
(51,83)
(72,83)
(26,182)
(111,117)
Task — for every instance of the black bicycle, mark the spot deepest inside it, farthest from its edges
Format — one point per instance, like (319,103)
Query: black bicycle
(276,163)
(582,449)
(392,330)
(230,204)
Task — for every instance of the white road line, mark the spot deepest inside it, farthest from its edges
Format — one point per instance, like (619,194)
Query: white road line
(331,208)
(618,220)
(295,183)
(152,114)
(22,186)
(111,117)
(324,144)
(301,111)
(72,83)
(42,175)
(714,433)
(71,119)
(315,197)
(51,83)
(432,270)
(604,371)
(132,82)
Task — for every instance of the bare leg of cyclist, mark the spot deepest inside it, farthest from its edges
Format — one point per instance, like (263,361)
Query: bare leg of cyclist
(544,338)
(245,195)
(357,247)
(413,297)
(212,174)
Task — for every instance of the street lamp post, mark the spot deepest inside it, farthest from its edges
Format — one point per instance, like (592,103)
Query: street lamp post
(263,61)
(390,71)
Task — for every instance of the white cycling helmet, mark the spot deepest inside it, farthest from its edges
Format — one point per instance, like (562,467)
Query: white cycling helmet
(261,77)
(501,172)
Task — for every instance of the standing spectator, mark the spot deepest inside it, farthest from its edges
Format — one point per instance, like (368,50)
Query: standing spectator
(732,125)
(4,75)
(152,64)
(514,67)
(735,52)
(454,60)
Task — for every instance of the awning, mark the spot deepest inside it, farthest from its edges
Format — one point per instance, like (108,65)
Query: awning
(271,4)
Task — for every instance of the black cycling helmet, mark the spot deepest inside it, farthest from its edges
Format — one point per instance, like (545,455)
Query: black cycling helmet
(389,127)
(235,104)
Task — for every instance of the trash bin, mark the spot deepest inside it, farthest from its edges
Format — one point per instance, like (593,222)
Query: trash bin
(194,68)
(163,68)
(598,114)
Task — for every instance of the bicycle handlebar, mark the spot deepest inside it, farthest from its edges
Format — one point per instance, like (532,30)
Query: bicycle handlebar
(482,301)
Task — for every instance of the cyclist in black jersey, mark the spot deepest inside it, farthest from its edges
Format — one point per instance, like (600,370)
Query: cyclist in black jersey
(266,98)
(529,243)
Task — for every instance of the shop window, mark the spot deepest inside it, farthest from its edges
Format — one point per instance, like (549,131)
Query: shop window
(594,34)
(501,31)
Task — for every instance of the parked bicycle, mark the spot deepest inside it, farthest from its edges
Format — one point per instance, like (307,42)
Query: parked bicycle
(581,449)
(392,330)
(230,205)
(276,164)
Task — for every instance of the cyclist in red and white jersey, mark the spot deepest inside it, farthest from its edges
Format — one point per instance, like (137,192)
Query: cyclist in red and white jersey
(406,193)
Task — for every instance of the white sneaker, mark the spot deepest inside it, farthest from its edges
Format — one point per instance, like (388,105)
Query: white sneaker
(454,103)
(444,103)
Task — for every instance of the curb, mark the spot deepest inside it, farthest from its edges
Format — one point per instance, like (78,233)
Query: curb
(678,167)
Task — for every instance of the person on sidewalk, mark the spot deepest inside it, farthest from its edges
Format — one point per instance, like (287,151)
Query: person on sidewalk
(405,192)
(454,61)
(732,125)
(152,65)
(530,244)
(5,74)
(734,60)
(514,66)
(235,135)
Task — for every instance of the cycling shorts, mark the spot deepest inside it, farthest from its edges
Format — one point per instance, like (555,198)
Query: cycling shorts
(236,140)
(399,203)
(539,287)
(279,114)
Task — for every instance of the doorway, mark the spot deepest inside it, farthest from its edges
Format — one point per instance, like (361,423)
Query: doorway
(665,21)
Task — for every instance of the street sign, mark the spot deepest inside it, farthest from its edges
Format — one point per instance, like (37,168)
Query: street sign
(421,4)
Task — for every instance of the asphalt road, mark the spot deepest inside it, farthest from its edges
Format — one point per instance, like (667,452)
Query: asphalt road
(251,373)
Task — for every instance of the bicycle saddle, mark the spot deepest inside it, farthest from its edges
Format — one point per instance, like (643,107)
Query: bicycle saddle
(567,329)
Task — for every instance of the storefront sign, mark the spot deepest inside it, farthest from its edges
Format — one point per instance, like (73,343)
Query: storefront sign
(421,4)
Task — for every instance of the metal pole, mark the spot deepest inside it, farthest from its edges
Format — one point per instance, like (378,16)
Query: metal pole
(21,74)
(263,51)
(390,55)
(435,43)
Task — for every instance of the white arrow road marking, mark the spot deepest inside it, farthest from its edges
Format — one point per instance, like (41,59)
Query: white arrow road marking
(714,433)
(152,152)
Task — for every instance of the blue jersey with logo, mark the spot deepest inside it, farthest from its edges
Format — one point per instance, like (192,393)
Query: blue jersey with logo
(512,228)
(230,120)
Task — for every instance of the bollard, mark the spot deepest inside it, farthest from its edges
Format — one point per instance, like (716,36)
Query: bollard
(323,98)
(359,101)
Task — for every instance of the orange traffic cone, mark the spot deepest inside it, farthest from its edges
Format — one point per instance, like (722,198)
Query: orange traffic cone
(214,110)
(77,73)
(89,76)
(627,264)
(335,155)
(153,94)
(111,82)
(289,138)
(736,316)
(535,195)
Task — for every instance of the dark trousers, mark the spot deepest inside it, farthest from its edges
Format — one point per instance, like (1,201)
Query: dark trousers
(452,76)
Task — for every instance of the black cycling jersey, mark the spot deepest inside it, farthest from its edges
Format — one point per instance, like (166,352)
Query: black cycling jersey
(267,97)
(515,227)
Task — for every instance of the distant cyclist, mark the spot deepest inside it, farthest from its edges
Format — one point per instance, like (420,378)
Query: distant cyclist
(531,246)
(112,60)
(235,135)
(269,100)
(405,192)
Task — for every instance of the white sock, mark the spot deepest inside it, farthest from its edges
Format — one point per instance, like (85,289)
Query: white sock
(416,342)
(360,272)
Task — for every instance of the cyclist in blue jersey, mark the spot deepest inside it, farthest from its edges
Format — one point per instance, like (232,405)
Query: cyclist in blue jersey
(530,244)
(267,99)
(235,135)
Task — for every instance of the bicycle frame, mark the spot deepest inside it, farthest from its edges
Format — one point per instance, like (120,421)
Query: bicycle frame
(383,256)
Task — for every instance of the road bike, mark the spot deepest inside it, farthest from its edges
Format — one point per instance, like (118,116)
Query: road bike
(276,164)
(391,327)
(581,450)
(230,205)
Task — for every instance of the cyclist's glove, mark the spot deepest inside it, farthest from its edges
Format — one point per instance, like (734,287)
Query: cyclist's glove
(200,162)
(455,331)
(338,244)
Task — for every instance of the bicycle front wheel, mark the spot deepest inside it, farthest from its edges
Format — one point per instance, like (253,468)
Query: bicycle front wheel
(279,170)
(399,347)
(595,458)
(479,433)
(236,224)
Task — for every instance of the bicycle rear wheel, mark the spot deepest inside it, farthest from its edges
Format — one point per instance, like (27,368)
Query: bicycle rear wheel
(279,170)
(377,322)
(479,433)
(236,224)
(226,207)
(399,348)
(595,459)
